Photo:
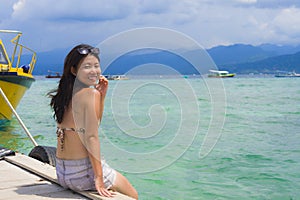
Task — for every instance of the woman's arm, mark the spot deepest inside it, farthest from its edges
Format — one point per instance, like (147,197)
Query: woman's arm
(92,112)
(102,87)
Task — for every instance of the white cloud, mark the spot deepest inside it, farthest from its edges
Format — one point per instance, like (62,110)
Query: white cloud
(154,6)
(6,9)
(19,5)
(48,25)
(89,10)
(286,23)
(277,4)
(247,1)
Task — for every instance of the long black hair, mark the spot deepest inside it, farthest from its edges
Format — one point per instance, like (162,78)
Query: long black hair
(62,96)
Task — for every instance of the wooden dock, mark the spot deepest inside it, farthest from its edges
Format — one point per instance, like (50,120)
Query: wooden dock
(22,177)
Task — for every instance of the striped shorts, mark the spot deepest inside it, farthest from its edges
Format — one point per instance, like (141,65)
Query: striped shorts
(78,175)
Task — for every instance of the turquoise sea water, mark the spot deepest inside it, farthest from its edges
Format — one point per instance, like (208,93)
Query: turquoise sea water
(150,132)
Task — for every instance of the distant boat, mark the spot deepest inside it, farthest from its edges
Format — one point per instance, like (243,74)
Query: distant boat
(116,77)
(287,74)
(220,74)
(15,74)
(50,74)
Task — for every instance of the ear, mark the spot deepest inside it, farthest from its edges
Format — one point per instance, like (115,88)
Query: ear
(73,71)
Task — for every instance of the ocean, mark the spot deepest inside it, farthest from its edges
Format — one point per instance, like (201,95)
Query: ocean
(188,138)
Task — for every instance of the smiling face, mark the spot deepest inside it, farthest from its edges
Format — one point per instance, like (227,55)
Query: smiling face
(88,71)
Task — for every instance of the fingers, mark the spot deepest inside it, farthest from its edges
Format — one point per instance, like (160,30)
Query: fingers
(102,79)
(102,190)
(102,84)
(106,193)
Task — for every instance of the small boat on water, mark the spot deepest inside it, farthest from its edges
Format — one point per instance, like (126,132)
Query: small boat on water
(53,74)
(116,77)
(15,75)
(220,74)
(287,74)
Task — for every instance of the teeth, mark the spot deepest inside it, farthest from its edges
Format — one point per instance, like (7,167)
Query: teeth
(93,77)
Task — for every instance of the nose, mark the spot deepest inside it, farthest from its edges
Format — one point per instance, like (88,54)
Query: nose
(96,70)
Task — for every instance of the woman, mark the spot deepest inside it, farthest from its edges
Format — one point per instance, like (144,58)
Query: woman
(78,105)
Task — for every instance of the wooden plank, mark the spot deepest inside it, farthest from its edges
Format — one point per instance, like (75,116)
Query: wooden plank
(12,176)
(16,183)
(39,191)
(42,169)
(48,172)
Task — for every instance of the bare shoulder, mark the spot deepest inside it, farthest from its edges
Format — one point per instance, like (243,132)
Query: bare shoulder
(87,94)
(89,91)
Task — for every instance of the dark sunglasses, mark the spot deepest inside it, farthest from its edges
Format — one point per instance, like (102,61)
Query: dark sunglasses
(85,51)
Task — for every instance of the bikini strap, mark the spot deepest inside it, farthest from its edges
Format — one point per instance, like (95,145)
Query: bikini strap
(80,130)
(60,132)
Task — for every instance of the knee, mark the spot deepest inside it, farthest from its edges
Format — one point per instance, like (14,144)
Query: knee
(122,185)
(132,192)
(135,195)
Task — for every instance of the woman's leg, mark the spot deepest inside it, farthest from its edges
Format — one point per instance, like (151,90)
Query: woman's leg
(123,186)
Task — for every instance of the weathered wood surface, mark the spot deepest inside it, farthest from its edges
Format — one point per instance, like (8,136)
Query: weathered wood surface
(19,184)
(22,177)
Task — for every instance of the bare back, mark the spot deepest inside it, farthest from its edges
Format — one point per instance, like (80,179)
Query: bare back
(77,116)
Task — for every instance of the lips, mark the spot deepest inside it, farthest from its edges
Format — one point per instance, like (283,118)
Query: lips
(93,78)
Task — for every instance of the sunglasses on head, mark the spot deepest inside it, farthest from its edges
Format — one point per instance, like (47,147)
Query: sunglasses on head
(85,50)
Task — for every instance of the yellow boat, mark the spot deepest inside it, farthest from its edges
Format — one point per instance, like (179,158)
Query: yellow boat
(15,77)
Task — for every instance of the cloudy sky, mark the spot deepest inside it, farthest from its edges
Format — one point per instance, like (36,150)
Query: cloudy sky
(50,24)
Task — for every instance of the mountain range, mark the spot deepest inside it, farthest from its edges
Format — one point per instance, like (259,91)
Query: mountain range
(237,58)
(266,58)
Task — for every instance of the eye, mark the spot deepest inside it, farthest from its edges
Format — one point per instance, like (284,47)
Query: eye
(87,66)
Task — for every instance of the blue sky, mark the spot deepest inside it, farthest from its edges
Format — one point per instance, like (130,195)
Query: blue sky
(51,24)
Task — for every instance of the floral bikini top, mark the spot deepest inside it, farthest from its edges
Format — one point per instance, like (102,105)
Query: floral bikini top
(60,132)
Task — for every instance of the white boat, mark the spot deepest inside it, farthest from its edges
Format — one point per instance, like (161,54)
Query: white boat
(116,77)
(220,74)
(287,74)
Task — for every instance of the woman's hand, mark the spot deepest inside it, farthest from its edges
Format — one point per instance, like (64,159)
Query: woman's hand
(102,86)
(101,189)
